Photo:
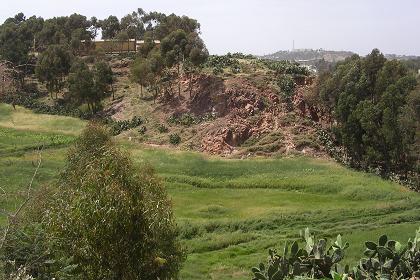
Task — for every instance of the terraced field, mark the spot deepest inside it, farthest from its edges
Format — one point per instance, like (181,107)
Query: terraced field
(229,211)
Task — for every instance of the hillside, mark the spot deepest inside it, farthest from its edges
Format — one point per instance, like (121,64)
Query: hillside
(230,114)
(229,211)
(143,156)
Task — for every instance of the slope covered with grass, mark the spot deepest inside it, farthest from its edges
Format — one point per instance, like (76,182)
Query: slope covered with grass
(229,211)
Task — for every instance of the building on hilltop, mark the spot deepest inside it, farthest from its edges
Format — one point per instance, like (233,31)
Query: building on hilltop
(113,46)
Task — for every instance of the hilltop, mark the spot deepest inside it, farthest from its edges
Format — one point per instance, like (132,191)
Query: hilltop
(307,55)
(236,112)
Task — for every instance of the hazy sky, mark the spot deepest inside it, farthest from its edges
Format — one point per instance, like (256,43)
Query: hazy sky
(265,26)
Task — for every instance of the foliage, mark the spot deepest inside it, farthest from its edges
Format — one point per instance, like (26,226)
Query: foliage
(89,86)
(52,67)
(285,67)
(174,139)
(315,260)
(387,259)
(218,63)
(16,39)
(287,85)
(98,226)
(103,77)
(368,98)
(188,119)
(119,126)
(162,128)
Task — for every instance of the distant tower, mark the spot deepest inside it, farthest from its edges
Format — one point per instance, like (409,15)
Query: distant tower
(293,45)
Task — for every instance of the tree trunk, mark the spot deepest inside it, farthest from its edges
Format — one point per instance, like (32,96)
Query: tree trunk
(179,81)
(112,89)
(190,85)
(156,94)
(141,90)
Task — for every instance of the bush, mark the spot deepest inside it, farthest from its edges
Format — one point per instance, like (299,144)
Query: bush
(386,259)
(107,220)
(174,139)
(117,127)
(162,128)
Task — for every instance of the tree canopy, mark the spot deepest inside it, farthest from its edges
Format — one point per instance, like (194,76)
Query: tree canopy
(369,97)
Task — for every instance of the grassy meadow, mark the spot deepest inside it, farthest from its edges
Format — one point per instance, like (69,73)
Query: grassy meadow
(229,211)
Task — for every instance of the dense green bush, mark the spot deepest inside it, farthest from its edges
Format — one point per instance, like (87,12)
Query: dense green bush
(119,126)
(29,101)
(162,128)
(174,139)
(106,220)
(315,260)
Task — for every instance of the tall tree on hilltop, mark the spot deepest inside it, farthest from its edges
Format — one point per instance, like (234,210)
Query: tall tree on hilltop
(173,48)
(110,27)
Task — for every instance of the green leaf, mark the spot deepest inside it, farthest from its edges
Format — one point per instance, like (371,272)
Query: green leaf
(295,248)
(385,252)
(370,245)
(262,267)
(382,240)
(398,247)
(277,276)
(339,242)
(286,249)
(307,233)
(260,276)
(255,269)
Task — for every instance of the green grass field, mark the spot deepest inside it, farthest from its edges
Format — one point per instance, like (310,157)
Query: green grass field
(229,211)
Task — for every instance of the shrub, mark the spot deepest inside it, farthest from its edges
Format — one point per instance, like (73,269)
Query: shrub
(316,259)
(142,130)
(174,139)
(118,127)
(162,128)
(107,220)
(386,259)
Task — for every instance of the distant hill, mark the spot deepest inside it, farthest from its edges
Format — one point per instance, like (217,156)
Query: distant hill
(401,57)
(309,55)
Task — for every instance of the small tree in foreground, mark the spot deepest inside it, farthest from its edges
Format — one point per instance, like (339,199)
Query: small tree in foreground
(114,219)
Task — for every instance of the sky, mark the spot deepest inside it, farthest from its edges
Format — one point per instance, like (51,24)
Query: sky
(266,26)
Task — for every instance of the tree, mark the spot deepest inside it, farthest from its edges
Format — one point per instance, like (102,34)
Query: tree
(141,71)
(197,56)
(76,39)
(8,85)
(104,78)
(133,25)
(173,48)
(369,99)
(82,86)
(110,27)
(52,68)
(113,219)
(15,40)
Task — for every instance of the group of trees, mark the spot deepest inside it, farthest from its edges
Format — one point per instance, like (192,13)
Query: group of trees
(375,103)
(58,40)
(56,67)
(181,51)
